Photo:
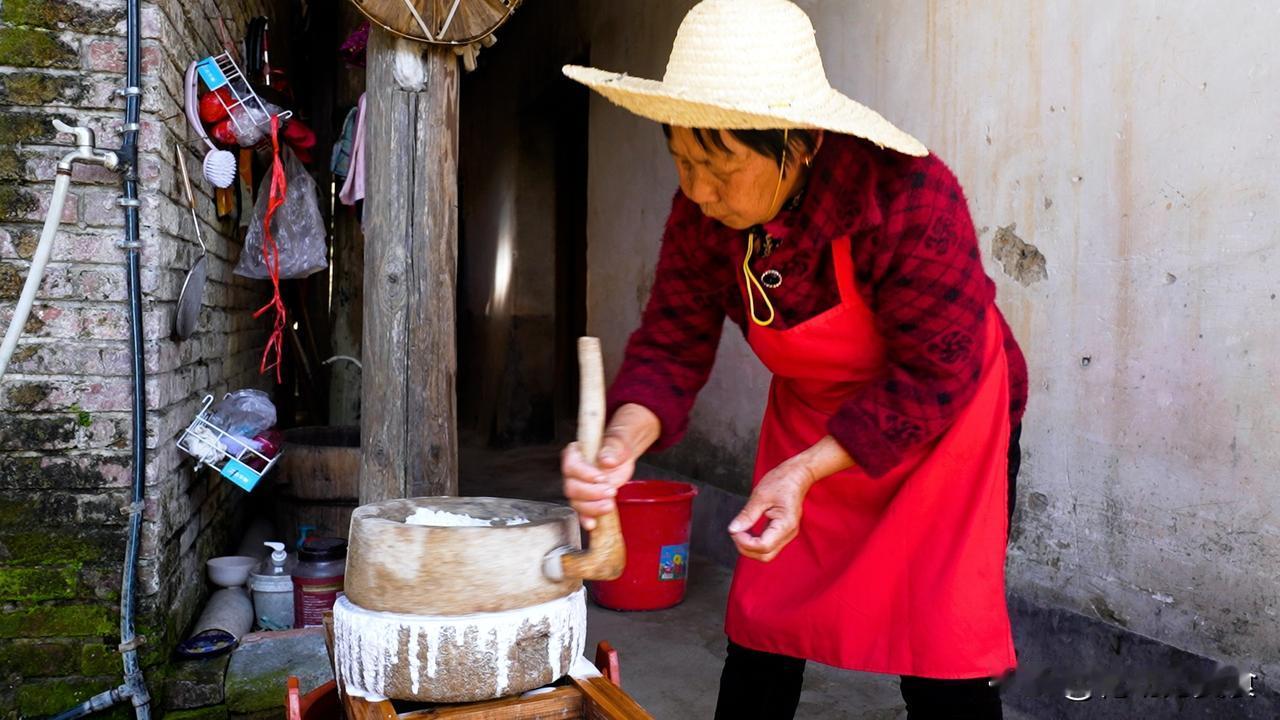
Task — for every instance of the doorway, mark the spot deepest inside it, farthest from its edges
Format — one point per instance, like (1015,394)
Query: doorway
(522,237)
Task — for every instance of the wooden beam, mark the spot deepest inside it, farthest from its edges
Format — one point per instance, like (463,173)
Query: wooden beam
(603,699)
(409,415)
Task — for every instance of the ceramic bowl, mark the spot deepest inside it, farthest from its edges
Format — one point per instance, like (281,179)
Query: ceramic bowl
(231,570)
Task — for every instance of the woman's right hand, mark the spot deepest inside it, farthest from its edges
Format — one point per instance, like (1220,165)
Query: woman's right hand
(591,488)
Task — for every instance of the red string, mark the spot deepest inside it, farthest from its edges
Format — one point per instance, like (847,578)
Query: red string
(271,256)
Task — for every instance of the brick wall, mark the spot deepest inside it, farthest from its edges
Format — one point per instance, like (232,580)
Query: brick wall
(64,404)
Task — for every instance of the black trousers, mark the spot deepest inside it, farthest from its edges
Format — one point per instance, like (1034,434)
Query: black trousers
(763,686)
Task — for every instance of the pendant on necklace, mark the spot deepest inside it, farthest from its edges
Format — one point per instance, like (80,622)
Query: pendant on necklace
(771,279)
(763,242)
(769,244)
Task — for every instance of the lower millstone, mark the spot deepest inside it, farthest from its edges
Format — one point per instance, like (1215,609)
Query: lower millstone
(456,658)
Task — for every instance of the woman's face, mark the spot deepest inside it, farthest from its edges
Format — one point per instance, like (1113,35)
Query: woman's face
(738,188)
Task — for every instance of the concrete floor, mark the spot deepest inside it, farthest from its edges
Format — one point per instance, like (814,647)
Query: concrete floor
(671,659)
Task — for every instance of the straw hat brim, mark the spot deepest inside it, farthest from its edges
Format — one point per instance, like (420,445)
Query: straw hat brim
(830,111)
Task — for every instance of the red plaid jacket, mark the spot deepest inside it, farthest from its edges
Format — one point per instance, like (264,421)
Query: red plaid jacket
(917,267)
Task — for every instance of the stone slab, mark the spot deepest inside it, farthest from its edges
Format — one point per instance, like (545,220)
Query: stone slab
(196,683)
(260,666)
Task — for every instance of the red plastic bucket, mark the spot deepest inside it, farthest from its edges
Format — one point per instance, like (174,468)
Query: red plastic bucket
(655,515)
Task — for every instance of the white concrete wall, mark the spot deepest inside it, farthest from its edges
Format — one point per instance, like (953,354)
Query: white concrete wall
(1134,144)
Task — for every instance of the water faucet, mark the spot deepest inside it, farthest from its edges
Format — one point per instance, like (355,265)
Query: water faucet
(86,152)
(86,149)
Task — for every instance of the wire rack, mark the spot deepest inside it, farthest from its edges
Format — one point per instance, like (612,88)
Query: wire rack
(243,106)
(231,455)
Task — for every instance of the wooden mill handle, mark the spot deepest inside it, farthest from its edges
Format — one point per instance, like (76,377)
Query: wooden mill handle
(607,555)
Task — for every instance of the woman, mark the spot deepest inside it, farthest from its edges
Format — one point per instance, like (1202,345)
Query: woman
(874,535)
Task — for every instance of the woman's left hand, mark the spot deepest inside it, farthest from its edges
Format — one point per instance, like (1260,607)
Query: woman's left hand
(779,497)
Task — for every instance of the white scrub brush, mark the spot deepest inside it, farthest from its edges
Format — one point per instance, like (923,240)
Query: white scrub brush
(219,165)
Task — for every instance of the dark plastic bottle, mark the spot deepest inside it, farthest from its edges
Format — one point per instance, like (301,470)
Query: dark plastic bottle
(317,579)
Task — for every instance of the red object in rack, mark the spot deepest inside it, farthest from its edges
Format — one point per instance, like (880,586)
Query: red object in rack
(224,134)
(213,105)
(268,443)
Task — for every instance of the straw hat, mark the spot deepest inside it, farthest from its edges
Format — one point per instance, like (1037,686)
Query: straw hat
(746,64)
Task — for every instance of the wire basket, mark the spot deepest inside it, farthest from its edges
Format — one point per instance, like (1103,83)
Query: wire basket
(229,454)
(243,106)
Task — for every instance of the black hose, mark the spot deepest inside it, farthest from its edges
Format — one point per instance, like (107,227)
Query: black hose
(133,679)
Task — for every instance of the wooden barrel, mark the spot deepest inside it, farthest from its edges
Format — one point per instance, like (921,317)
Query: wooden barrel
(318,481)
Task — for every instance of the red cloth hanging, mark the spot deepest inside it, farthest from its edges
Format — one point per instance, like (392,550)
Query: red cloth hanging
(271,256)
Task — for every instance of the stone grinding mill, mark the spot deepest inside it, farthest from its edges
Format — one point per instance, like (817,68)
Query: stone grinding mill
(467,599)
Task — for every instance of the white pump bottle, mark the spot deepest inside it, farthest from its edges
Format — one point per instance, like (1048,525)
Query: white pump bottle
(278,559)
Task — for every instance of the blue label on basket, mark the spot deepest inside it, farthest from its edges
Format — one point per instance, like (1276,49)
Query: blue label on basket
(211,74)
(240,474)
(673,563)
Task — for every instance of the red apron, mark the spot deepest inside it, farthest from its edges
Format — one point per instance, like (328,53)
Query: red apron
(901,574)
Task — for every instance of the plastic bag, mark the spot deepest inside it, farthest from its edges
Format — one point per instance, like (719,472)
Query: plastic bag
(297,227)
(244,413)
(252,125)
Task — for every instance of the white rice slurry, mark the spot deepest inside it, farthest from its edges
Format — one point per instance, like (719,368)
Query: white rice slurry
(444,518)
(368,644)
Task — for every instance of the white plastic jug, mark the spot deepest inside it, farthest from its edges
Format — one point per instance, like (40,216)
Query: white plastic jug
(272,587)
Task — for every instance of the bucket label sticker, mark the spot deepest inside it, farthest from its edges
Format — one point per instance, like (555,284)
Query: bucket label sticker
(673,563)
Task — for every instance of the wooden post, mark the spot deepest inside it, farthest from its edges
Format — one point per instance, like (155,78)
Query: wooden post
(409,415)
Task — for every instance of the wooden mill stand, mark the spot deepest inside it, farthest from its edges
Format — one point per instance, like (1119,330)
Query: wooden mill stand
(597,698)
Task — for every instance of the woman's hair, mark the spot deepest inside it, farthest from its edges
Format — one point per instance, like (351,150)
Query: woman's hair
(768,143)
